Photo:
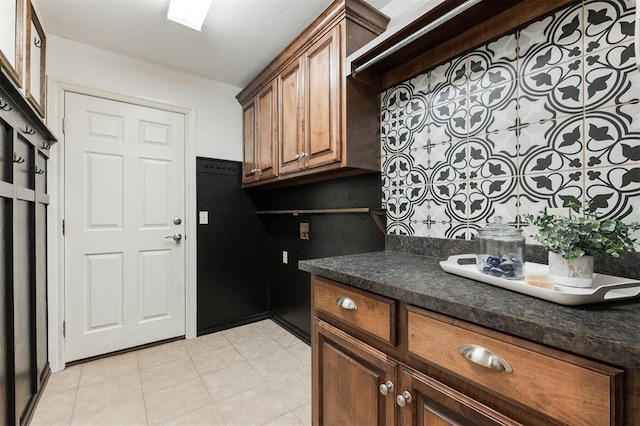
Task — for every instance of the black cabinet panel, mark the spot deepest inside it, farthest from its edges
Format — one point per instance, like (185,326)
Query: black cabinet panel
(24,144)
(6,260)
(232,279)
(23,175)
(6,152)
(23,306)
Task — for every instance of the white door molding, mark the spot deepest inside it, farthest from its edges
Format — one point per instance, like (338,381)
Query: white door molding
(55,242)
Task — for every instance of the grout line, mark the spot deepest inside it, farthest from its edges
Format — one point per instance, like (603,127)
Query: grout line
(75,398)
(144,399)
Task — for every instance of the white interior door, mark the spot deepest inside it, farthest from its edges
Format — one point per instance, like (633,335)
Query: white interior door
(124,188)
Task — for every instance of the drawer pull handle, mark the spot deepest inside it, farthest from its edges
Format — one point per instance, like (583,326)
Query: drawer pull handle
(404,399)
(346,303)
(385,388)
(484,357)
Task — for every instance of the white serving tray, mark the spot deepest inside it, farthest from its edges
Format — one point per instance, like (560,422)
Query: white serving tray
(605,288)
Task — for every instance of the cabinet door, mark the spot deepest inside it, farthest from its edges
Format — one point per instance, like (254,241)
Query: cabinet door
(266,131)
(248,142)
(291,115)
(323,100)
(429,402)
(347,375)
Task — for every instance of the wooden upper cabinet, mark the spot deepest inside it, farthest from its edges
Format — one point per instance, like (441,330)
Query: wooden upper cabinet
(260,136)
(248,141)
(291,109)
(266,148)
(323,87)
(313,127)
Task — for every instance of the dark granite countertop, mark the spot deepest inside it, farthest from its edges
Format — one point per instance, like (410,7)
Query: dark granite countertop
(608,331)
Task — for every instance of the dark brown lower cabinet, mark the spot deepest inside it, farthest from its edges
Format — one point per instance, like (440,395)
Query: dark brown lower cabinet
(418,376)
(346,378)
(24,151)
(437,404)
(356,384)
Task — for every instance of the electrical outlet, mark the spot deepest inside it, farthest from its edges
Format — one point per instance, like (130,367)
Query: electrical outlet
(285,257)
(559,211)
(204,217)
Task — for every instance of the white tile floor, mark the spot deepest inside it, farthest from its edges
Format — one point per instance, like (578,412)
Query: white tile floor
(257,374)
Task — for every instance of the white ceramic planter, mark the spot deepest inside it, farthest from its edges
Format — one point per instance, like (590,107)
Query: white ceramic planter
(571,273)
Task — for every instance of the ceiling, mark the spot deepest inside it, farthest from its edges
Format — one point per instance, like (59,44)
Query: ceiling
(238,39)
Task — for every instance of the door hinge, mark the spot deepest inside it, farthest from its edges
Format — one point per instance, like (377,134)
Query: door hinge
(63,229)
(64,329)
(64,125)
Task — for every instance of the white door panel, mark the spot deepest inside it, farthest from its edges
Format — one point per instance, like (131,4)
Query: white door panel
(124,280)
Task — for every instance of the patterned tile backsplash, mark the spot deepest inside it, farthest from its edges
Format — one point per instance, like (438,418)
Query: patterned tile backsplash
(547,115)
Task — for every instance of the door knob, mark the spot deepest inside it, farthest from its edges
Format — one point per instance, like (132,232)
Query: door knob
(176,237)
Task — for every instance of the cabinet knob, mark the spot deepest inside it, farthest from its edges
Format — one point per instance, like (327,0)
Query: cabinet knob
(346,303)
(484,357)
(304,155)
(403,399)
(385,388)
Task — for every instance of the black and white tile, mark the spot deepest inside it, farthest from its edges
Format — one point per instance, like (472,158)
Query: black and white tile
(539,118)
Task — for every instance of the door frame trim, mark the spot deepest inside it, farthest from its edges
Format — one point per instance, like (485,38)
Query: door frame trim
(56,89)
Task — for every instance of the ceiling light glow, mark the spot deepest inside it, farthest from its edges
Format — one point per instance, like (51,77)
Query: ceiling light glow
(190,13)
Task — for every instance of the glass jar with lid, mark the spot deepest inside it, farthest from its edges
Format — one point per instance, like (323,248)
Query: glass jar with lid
(500,250)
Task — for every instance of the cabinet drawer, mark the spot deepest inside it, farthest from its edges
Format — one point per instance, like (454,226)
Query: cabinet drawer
(567,388)
(370,313)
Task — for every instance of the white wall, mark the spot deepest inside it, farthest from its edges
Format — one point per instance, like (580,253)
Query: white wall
(399,10)
(218,116)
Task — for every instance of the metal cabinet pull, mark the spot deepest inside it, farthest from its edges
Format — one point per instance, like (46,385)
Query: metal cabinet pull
(403,399)
(346,303)
(385,388)
(484,357)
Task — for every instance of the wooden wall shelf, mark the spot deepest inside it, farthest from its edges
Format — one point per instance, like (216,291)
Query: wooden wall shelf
(486,21)
(375,213)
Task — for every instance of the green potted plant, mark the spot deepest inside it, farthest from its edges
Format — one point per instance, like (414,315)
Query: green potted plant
(574,240)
